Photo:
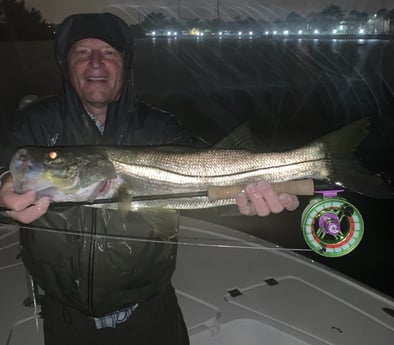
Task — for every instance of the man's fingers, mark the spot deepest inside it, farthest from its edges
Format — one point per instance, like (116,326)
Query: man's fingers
(244,205)
(258,199)
(261,199)
(18,202)
(32,212)
(272,203)
(289,201)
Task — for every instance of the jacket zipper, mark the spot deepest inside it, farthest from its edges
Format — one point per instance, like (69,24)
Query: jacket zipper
(91,259)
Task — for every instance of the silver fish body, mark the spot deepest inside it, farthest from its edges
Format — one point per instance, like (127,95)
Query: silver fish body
(156,171)
(95,172)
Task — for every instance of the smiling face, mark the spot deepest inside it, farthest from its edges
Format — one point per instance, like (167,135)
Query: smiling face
(96,73)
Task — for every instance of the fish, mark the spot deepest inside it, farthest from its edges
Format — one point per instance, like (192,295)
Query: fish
(178,177)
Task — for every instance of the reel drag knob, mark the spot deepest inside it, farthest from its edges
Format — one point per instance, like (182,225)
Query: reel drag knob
(332,226)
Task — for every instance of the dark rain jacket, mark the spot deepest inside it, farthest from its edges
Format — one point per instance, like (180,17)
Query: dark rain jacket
(93,274)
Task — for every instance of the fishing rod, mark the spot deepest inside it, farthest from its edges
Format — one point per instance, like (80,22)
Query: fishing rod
(331,225)
(213,193)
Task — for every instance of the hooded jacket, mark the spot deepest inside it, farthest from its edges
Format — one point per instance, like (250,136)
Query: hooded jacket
(95,274)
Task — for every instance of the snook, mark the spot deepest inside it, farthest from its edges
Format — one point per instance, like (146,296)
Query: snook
(87,173)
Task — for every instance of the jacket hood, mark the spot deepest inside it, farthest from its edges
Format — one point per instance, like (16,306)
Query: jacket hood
(104,26)
(79,128)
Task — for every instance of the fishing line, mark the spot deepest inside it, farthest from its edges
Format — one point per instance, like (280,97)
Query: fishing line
(9,246)
(9,232)
(225,243)
(6,267)
(35,317)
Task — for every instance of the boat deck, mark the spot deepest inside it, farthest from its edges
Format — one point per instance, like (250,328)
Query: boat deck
(233,289)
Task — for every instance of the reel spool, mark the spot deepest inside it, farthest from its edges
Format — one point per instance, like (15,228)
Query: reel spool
(331,225)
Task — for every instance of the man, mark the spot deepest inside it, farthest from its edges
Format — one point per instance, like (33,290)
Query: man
(100,290)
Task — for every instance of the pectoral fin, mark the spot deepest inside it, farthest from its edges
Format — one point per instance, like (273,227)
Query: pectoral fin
(164,222)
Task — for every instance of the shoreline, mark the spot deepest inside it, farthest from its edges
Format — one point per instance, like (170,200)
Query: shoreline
(343,37)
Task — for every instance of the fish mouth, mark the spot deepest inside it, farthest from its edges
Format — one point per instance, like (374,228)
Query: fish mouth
(24,168)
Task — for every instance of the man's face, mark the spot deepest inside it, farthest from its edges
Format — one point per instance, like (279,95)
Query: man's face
(96,71)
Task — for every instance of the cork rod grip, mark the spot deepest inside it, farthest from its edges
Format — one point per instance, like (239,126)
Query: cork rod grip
(297,187)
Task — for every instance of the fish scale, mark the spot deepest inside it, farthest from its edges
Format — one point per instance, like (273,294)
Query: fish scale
(142,171)
(221,163)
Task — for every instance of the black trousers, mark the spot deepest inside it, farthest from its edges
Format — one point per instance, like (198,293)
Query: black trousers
(157,321)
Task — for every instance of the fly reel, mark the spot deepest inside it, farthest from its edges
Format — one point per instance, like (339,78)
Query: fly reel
(331,225)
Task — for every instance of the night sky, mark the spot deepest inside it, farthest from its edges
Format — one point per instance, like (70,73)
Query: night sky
(55,10)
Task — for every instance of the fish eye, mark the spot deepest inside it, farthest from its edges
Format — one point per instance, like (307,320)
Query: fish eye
(52,155)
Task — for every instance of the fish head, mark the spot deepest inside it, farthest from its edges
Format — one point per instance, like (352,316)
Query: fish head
(62,173)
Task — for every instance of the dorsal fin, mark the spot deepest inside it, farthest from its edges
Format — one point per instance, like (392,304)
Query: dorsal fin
(241,138)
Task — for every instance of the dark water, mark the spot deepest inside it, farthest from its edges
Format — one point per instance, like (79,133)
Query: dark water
(291,90)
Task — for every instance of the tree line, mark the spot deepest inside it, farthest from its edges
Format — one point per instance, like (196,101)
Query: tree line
(17,23)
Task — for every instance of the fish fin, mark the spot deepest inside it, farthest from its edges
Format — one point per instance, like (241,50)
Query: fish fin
(241,138)
(125,200)
(346,171)
(164,222)
(345,140)
(350,175)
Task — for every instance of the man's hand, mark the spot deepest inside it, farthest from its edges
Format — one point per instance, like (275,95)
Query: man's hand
(260,199)
(23,207)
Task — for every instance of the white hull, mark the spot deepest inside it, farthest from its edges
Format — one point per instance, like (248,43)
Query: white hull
(235,289)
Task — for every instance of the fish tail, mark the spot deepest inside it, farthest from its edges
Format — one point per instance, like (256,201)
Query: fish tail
(346,170)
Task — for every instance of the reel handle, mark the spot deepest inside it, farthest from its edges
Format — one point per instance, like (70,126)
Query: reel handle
(297,187)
